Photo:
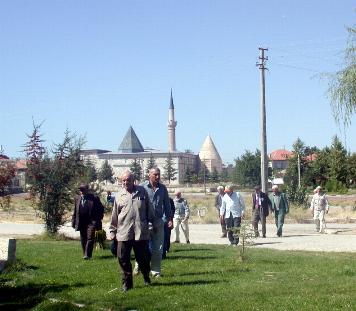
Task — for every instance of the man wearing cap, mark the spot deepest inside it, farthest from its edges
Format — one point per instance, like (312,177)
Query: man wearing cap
(181,216)
(87,215)
(280,207)
(319,206)
(218,202)
(260,205)
(232,210)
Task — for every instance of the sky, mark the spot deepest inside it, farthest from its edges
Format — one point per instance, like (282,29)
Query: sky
(97,67)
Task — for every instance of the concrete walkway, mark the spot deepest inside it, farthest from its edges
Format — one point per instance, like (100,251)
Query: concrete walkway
(339,237)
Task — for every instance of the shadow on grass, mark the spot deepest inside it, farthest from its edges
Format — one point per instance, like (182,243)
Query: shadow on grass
(173,257)
(191,250)
(22,297)
(265,243)
(187,283)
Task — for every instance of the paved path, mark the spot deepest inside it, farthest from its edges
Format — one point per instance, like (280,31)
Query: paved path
(339,237)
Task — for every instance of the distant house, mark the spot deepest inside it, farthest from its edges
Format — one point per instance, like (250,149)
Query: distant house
(18,182)
(279,159)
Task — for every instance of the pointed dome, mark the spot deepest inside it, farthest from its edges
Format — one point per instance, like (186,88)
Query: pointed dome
(210,155)
(208,151)
(130,143)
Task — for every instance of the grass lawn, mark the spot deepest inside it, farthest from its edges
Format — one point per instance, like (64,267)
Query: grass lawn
(50,275)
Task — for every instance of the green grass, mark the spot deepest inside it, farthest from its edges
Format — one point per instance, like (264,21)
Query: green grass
(50,275)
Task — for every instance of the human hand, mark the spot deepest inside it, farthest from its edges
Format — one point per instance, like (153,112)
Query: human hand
(327,211)
(170,224)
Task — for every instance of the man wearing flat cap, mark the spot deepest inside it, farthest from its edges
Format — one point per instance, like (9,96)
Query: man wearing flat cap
(260,205)
(87,215)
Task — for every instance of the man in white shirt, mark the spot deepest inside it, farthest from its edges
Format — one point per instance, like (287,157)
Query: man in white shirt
(319,206)
(232,209)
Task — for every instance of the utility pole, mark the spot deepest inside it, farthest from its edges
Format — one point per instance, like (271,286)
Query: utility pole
(264,158)
(298,171)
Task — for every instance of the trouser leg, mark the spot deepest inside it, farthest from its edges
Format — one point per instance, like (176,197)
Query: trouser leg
(83,239)
(123,255)
(280,222)
(165,240)
(263,224)
(185,228)
(255,220)
(229,225)
(177,222)
(157,238)
(223,225)
(322,221)
(237,224)
(90,241)
(142,256)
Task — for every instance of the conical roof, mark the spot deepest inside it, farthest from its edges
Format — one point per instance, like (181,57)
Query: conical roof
(131,143)
(208,151)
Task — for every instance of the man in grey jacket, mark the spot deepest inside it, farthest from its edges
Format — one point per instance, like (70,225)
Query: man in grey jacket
(131,213)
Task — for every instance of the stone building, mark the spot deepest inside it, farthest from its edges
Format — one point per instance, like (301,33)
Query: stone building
(131,149)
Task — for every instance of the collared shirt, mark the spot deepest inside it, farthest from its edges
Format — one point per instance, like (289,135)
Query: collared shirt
(233,204)
(218,201)
(131,214)
(160,200)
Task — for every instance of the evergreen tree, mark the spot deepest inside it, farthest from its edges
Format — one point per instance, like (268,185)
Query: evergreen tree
(338,163)
(90,173)
(319,169)
(247,171)
(187,175)
(215,177)
(54,178)
(203,174)
(351,168)
(170,171)
(136,169)
(151,163)
(106,172)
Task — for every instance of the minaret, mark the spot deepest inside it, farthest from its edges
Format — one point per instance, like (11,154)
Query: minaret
(171,127)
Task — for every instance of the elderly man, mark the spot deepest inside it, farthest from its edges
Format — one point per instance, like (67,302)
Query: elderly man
(260,205)
(87,215)
(232,210)
(131,213)
(280,207)
(218,201)
(319,206)
(181,216)
(158,194)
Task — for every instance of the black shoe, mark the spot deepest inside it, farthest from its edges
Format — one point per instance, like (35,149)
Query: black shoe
(86,258)
(264,236)
(188,242)
(125,288)
(147,281)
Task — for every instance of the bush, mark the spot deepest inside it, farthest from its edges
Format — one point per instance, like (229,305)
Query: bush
(335,186)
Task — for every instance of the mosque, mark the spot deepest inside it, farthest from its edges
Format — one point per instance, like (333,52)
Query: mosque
(131,149)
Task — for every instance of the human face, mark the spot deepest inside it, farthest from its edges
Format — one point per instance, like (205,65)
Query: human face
(127,182)
(258,190)
(154,176)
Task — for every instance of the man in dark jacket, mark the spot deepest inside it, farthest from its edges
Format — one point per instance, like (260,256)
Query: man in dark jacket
(87,216)
(260,206)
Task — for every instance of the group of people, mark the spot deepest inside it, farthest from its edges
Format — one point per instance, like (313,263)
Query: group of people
(231,209)
(144,215)
(142,218)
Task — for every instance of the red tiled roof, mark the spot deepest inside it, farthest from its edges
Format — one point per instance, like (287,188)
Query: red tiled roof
(280,155)
(311,158)
(3,157)
(21,164)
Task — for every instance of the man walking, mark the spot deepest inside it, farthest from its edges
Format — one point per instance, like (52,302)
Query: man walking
(260,205)
(218,202)
(158,195)
(319,206)
(181,216)
(280,207)
(87,215)
(232,210)
(131,213)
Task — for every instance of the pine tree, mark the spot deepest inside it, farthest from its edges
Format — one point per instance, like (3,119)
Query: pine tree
(338,161)
(136,169)
(53,179)
(187,175)
(215,177)
(90,172)
(106,172)
(169,170)
(150,164)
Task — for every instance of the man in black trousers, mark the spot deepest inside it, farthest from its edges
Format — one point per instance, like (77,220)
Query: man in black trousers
(260,206)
